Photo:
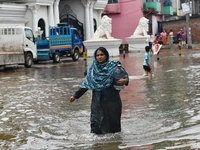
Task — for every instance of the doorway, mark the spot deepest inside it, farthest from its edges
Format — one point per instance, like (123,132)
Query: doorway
(41,24)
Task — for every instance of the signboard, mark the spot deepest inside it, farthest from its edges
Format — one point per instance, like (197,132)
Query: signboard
(186,8)
(156,48)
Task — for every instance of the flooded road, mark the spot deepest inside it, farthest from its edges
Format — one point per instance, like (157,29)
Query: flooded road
(162,113)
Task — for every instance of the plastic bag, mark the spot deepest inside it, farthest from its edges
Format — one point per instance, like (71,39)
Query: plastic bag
(119,73)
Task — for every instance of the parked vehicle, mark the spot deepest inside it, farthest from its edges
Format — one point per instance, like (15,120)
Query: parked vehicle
(17,45)
(62,41)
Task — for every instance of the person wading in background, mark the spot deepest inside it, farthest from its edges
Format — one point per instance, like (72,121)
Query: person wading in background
(146,63)
(171,35)
(164,37)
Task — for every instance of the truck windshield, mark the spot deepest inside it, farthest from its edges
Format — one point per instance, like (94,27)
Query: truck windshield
(76,34)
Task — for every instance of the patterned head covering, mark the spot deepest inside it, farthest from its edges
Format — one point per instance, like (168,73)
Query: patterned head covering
(99,76)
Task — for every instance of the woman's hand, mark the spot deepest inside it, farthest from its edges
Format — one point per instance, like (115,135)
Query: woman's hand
(72,99)
(122,81)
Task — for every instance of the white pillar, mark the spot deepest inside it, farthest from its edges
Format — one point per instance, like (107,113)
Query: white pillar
(91,19)
(56,12)
(86,4)
(51,15)
(34,9)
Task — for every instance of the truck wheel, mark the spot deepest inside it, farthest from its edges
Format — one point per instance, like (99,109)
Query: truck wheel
(75,56)
(56,57)
(28,60)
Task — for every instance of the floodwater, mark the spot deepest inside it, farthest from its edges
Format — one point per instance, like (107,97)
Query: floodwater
(162,113)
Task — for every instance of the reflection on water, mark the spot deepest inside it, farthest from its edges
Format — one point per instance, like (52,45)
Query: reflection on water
(168,116)
(162,113)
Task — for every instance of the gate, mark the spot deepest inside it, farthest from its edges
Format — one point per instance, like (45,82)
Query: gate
(67,16)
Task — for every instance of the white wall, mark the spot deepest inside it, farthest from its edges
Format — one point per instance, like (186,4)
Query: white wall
(96,17)
(29,16)
(175,4)
(154,25)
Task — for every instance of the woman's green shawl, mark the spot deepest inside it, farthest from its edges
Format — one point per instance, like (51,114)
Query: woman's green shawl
(99,76)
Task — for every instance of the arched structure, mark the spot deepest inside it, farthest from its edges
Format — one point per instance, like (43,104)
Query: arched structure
(67,16)
(41,24)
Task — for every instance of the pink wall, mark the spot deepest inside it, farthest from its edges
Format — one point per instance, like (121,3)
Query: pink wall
(125,17)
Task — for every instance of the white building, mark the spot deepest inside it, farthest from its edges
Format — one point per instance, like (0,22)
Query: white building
(85,15)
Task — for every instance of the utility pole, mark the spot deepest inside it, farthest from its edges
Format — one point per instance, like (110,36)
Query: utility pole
(189,39)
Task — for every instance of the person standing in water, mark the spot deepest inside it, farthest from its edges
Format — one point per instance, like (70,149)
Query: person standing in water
(106,106)
(146,62)
(164,37)
(171,35)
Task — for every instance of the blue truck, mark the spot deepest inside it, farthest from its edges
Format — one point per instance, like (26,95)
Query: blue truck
(63,40)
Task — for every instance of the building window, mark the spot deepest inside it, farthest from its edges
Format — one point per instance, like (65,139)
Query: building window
(112,1)
(167,3)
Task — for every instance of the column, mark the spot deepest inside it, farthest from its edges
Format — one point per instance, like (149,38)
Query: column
(86,4)
(56,12)
(34,9)
(51,15)
(91,19)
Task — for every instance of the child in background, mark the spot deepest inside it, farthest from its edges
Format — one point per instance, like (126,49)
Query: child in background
(146,63)
(183,38)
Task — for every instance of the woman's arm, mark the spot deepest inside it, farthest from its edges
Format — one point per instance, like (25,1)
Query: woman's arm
(78,94)
(123,81)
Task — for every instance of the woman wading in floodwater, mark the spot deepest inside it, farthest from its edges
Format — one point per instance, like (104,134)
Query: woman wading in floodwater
(106,106)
